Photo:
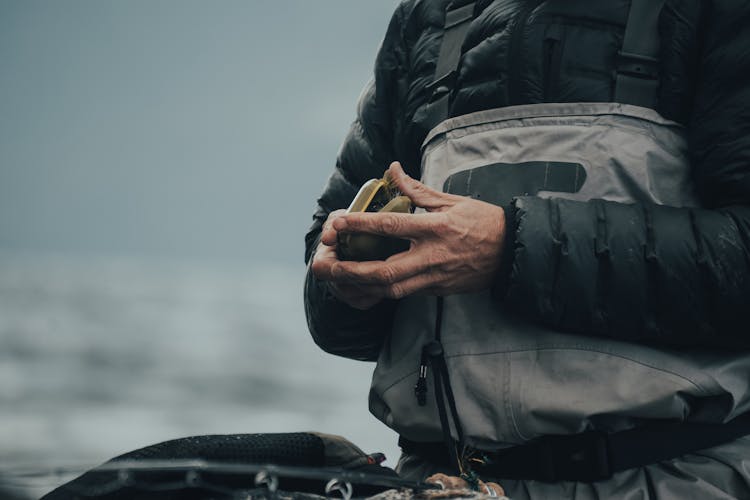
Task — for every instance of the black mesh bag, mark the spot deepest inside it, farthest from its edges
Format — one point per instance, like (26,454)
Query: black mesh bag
(232,466)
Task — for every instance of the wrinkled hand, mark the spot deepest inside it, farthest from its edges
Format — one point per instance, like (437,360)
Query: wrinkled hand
(455,247)
(356,295)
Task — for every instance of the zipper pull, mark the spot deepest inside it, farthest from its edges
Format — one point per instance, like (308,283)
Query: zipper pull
(420,389)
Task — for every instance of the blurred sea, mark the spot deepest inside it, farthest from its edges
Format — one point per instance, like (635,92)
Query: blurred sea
(99,356)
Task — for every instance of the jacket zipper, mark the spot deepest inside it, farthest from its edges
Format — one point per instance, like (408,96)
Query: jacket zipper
(515,57)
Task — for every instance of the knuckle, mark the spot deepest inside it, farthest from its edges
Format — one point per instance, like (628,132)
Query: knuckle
(434,260)
(453,229)
(390,224)
(395,292)
(441,225)
(328,224)
(387,274)
(415,184)
(335,214)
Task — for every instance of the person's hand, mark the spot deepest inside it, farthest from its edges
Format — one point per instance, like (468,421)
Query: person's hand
(356,295)
(456,483)
(455,246)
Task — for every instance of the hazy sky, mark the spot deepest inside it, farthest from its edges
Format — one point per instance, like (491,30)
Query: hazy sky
(178,128)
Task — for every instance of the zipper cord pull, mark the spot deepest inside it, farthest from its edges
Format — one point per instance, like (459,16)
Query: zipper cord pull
(420,389)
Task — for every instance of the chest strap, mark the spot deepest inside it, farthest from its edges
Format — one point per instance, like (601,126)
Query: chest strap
(456,27)
(637,69)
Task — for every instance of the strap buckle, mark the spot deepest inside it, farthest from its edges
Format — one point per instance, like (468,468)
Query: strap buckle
(637,65)
(442,86)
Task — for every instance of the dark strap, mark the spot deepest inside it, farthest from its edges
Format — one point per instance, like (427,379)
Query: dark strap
(637,73)
(448,445)
(456,27)
(594,455)
(444,391)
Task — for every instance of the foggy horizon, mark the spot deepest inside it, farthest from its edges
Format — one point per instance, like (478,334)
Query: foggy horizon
(191,130)
(159,167)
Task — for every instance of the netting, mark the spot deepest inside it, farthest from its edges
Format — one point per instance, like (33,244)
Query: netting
(233,466)
(194,479)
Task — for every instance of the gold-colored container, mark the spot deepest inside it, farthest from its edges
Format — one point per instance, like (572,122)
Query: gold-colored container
(381,196)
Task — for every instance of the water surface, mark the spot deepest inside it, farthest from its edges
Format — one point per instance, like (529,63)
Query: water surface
(99,356)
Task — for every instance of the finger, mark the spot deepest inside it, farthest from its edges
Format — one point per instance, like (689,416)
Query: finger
(422,284)
(420,194)
(492,490)
(357,296)
(499,491)
(323,261)
(407,226)
(446,482)
(397,268)
(419,284)
(328,235)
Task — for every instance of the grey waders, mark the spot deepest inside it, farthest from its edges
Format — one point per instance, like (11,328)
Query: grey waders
(489,381)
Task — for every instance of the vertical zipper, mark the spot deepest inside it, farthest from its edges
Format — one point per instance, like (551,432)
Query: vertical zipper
(515,59)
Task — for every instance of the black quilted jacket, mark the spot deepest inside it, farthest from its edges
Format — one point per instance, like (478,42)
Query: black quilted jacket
(672,276)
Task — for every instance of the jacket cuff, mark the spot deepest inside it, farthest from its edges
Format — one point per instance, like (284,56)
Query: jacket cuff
(502,279)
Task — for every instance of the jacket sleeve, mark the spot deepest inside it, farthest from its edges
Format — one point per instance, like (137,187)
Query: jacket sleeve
(650,273)
(366,153)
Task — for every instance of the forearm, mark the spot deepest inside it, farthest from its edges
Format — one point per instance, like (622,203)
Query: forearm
(636,272)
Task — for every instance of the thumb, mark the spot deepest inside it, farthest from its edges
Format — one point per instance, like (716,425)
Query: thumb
(421,195)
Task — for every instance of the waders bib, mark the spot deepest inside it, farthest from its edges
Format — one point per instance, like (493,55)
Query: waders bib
(492,381)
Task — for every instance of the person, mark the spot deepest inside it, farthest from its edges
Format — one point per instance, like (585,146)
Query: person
(570,318)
